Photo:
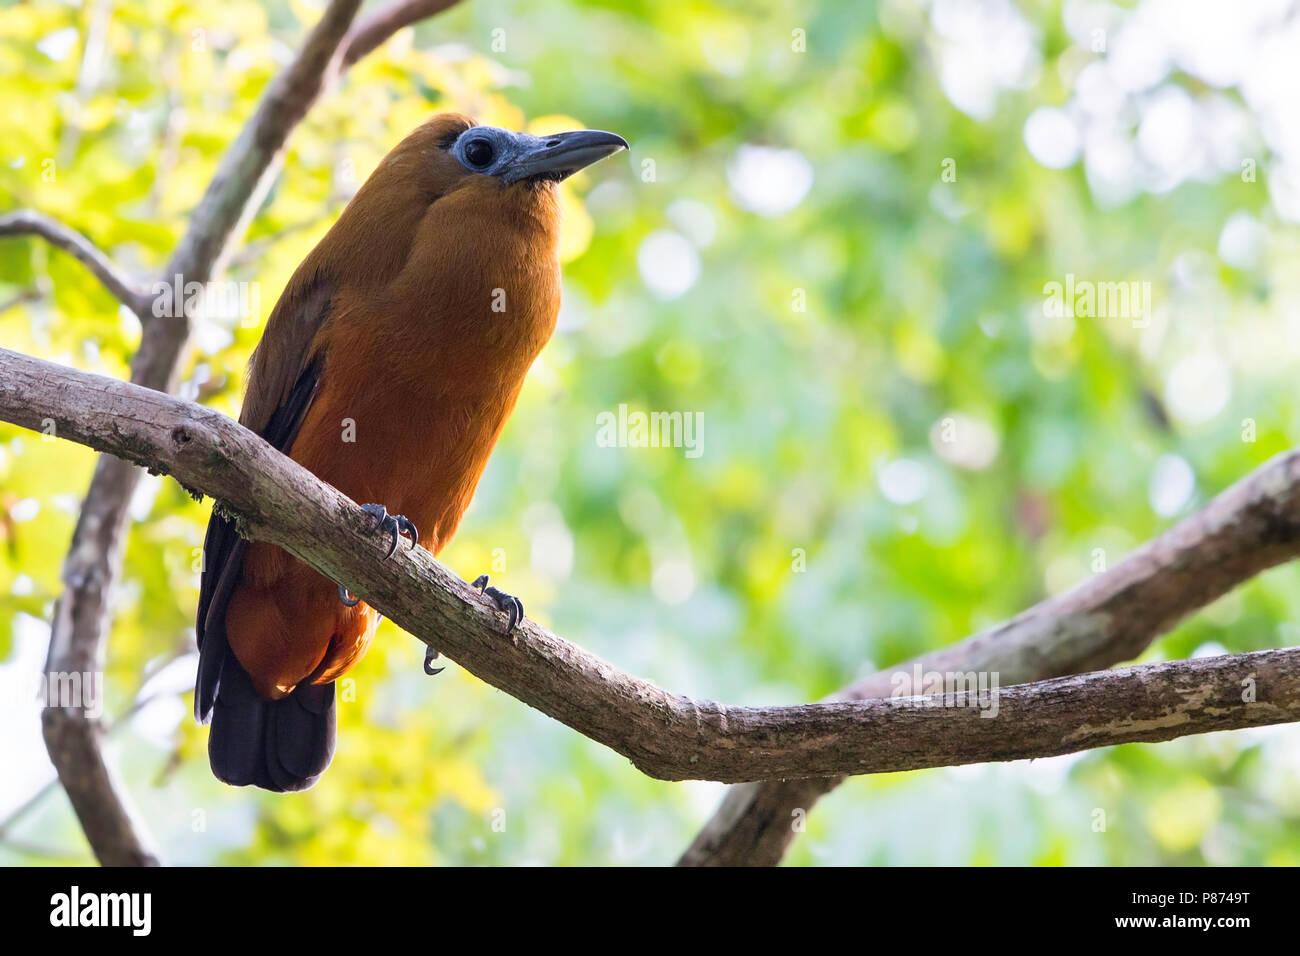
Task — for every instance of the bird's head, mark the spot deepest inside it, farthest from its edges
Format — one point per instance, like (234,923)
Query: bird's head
(523,158)
(460,213)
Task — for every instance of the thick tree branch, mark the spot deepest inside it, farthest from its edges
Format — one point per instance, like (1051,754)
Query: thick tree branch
(667,735)
(93,564)
(29,222)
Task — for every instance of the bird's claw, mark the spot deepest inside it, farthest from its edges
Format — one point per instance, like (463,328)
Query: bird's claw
(395,525)
(504,602)
(431,655)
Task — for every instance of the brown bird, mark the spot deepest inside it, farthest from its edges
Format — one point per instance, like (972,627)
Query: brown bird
(388,368)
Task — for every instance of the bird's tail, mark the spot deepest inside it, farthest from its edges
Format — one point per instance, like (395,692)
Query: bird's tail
(278,745)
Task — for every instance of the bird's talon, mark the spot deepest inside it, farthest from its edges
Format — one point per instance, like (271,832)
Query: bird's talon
(513,607)
(430,655)
(395,525)
(503,601)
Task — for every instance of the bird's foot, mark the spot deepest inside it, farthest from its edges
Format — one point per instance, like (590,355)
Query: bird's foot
(395,525)
(504,602)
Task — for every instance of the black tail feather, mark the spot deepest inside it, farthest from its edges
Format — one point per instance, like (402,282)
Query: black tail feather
(279,745)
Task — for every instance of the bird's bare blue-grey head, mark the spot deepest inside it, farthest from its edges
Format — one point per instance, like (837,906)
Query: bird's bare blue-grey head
(515,157)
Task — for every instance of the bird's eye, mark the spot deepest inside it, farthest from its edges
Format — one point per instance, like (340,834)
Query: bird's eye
(478,152)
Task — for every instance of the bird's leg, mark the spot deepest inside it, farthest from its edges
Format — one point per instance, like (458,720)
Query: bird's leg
(396,525)
(504,602)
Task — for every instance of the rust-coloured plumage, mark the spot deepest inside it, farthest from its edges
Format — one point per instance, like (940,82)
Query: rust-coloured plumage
(388,368)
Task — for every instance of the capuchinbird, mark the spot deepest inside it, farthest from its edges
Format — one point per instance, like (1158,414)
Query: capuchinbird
(388,368)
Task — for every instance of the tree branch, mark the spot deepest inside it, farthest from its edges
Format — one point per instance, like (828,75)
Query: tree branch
(29,222)
(382,24)
(81,616)
(667,735)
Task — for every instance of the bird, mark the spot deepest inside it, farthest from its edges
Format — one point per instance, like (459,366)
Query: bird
(388,368)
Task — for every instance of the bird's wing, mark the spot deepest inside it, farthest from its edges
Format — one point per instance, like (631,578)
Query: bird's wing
(283,355)
(283,379)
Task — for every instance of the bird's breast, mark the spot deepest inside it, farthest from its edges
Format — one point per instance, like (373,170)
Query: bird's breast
(415,392)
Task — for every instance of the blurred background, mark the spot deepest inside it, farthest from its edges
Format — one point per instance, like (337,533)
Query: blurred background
(833,239)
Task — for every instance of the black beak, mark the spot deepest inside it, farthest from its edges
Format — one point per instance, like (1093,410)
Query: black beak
(560,156)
